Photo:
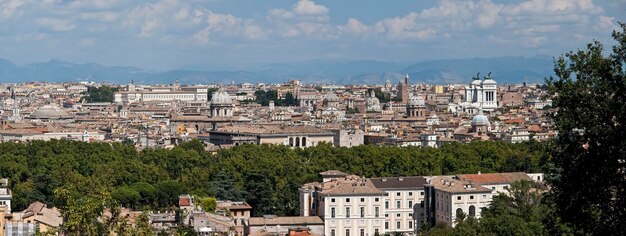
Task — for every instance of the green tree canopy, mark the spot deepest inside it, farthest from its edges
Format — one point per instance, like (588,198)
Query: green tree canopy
(590,115)
(100,94)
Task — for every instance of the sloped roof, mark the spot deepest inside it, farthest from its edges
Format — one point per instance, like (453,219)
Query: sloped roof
(285,220)
(453,185)
(350,185)
(411,182)
(333,173)
(495,178)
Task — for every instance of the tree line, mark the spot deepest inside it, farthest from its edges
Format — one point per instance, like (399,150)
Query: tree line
(265,176)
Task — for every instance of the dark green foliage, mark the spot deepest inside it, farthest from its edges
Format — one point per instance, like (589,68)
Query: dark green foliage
(264,98)
(126,196)
(266,176)
(519,213)
(382,96)
(589,91)
(99,94)
(210,92)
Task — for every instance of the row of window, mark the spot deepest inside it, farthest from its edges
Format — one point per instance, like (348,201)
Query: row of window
(398,203)
(168,96)
(362,231)
(471,197)
(398,194)
(472,211)
(362,212)
(361,199)
(348,212)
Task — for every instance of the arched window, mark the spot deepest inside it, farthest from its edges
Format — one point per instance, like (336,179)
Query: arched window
(459,211)
(304,141)
(297,142)
(472,211)
(291,141)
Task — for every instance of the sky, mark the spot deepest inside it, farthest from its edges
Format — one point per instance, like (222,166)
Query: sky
(170,34)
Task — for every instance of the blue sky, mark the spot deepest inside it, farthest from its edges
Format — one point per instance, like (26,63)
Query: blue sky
(168,34)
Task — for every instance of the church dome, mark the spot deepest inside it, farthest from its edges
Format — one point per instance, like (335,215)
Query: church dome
(416,101)
(480,119)
(331,97)
(221,98)
(50,112)
(371,101)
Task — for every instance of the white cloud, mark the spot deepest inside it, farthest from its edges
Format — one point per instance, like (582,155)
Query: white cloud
(9,7)
(182,14)
(88,42)
(228,25)
(605,23)
(308,7)
(280,14)
(93,4)
(404,28)
(150,16)
(59,25)
(106,16)
(355,27)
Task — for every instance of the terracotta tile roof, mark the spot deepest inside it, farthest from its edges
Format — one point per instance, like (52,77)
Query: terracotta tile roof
(454,185)
(273,129)
(184,202)
(494,178)
(285,220)
(350,185)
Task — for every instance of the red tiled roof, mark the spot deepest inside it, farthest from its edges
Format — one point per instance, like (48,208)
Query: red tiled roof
(184,202)
(495,178)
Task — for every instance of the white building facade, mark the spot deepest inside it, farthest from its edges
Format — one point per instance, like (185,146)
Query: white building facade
(481,93)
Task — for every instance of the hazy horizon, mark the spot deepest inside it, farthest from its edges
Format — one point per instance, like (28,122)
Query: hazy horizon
(171,34)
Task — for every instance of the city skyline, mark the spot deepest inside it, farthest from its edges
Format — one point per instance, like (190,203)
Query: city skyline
(170,34)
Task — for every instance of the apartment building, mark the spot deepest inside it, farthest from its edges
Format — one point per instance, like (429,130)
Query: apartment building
(404,202)
(348,204)
(5,195)
(452,196)
(353,205)
(449,196)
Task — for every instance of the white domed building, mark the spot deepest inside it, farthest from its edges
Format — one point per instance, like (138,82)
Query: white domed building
(221,104)
(481,93)
(331,100)
(50,113)
(372,104)
(480,123)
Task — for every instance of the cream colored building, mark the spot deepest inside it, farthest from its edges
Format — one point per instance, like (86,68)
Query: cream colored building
(24,135)
(353,205)
(454,196)
(5,196)
(162,94)
(290,135)
(404,208)
(448,196)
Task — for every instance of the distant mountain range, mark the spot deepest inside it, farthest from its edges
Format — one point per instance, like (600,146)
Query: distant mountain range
(504,70)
